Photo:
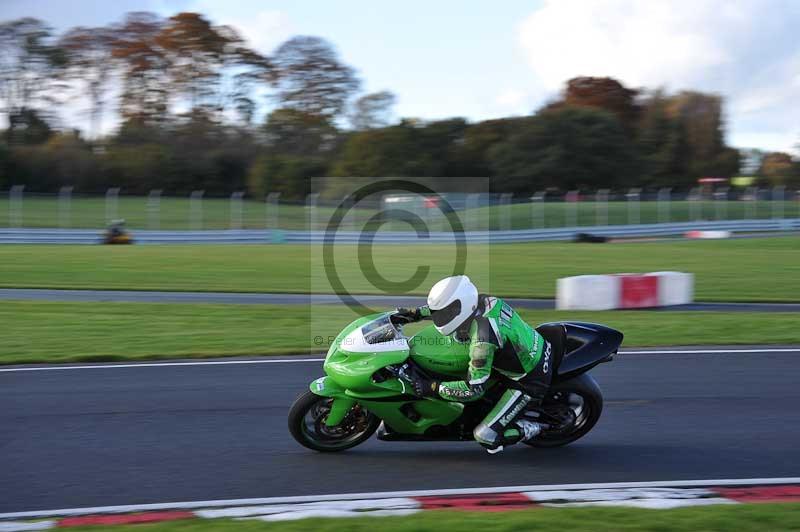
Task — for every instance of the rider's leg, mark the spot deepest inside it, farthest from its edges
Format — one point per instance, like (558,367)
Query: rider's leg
(502,426)
(498,427)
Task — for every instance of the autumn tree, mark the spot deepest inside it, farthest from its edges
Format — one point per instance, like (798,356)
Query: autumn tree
(145,96)
(373,110)
(699,116)
(90,63)
(311,79)
(30,64)
(778,168)
(210,66)
(604,93)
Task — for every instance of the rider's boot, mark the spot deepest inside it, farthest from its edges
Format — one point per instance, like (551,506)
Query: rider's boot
(529,429)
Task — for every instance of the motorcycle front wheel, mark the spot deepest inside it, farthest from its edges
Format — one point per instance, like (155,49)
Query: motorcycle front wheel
(307,424)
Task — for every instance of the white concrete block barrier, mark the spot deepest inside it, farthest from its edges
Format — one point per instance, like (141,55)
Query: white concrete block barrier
(624,291)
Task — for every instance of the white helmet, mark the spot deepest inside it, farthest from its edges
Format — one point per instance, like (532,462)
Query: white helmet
(452,301)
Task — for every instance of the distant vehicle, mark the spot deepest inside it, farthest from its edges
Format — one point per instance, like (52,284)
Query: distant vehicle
(361,391)
(117,233)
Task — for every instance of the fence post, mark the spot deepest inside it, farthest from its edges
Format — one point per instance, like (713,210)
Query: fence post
(571,208)
(601,207)
(271,209)
(634,196)
(64,204)
(664,198)
(537,209)
(751,203)
(196,210)
(311,210)
(471,221)
(778,196)
(721,203)
(154,209)
(695,205)
(505,212)
(236,210)
(15,205)
(112,204)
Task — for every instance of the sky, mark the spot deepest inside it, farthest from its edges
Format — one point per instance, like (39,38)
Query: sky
(482,60)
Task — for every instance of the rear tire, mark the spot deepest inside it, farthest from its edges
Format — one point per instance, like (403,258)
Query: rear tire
(307,425)
(561,396)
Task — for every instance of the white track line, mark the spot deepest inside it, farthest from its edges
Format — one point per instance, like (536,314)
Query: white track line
(393,494)
(295,360)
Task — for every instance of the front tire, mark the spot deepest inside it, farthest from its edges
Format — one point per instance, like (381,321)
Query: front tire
(578,402)
(307,424)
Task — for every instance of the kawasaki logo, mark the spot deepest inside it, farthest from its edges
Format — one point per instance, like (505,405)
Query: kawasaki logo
(546,365)
(505,420)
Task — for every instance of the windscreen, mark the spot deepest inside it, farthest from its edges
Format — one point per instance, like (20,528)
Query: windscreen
(379,331)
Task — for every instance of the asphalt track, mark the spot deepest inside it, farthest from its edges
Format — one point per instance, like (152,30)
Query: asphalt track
(147,433)
(135,296)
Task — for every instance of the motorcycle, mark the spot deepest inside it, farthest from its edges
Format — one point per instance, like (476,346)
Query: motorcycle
(363,387)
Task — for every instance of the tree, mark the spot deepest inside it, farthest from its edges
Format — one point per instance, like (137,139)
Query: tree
(296,133)
(27,126)
(89,53)
(777,168)
(29,67)
(566,148)
(700,118)
(391,151)
(604,93)
(373,110)
(311,79)
(661,144)
(469,155)
(144,95)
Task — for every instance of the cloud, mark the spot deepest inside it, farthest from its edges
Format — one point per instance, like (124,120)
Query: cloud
(744,50)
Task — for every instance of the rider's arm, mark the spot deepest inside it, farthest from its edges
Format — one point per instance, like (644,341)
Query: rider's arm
(481,356)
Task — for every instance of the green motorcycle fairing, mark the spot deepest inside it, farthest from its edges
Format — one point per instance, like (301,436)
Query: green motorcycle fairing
(372,343)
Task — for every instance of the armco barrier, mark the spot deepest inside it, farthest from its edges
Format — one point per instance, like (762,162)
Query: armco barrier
(261,236)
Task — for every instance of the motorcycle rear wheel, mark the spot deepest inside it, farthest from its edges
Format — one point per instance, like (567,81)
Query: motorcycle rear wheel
(307,425)
(578,399)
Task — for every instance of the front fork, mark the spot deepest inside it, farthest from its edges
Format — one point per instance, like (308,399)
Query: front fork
(339,409)
(326,387)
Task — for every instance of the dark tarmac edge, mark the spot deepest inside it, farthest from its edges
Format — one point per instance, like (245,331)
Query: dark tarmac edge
(242,298)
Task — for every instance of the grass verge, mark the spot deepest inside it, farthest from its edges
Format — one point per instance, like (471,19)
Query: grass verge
(742,518)
(35,331)
(757,269)
(178,214)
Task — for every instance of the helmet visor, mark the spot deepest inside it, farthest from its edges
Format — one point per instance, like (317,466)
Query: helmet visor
(447,314)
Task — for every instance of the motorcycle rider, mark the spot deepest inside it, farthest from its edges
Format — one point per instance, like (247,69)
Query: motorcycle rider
(498,340)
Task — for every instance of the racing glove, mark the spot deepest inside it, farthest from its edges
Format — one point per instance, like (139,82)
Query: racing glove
(406,315)
(421,385)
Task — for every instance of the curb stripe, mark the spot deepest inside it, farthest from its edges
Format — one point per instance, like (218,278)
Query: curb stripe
(191,505)
(152,517)
(638,497)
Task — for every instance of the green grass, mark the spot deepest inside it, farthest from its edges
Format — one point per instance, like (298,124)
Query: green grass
(69,332)
(172,213)
(177,213)
(723,518)
(754,269)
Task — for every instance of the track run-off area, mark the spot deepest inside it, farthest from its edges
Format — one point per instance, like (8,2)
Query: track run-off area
(114,434)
